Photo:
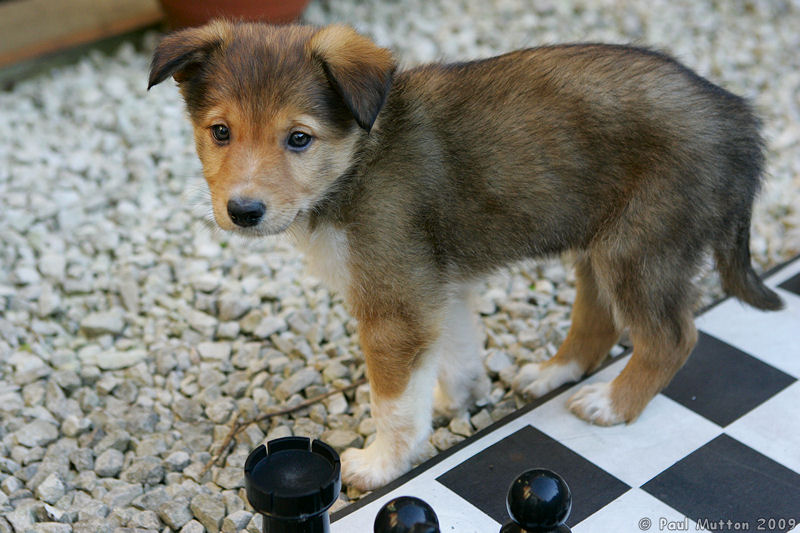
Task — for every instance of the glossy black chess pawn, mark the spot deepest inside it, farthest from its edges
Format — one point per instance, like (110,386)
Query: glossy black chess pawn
(539,501)
(293,482)
(406,514)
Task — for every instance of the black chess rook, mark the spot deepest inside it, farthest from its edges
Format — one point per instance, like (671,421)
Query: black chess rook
(293,482)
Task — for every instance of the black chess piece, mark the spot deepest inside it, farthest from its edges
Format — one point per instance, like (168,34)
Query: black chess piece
(539,501)
(406,514)
(293,482)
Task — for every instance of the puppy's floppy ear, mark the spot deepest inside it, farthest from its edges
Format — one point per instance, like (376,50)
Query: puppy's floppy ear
(179,51)
(359,70)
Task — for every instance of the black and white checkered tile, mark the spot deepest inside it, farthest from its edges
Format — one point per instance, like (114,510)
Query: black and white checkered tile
(719,447)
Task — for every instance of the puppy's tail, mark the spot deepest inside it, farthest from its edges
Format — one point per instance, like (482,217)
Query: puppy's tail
(738,277)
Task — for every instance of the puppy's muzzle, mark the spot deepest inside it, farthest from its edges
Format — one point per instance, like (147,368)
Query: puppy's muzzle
(246,212)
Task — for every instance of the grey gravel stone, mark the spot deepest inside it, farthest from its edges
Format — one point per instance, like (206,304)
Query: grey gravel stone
(197,472)
(122,495)
(187,409)
(219,351)
(220,410)
(11,484)
(92,525)
(89,508)
(236,521)
(256,523)
(151,445)
(177,461)
(305,427)
(336,404)
(233,502)
(51,489)
(228,330)
(461,426)
(279,432)
(21,518)
(48,513)
(82,459)
(229,477)
(443,439)
(114,359)
(203,323)
(74,425)
(175,513)
(481,419)
(145,520)
(152,500)
(109,463)
(252,436)
(36,433)
(234,306)
(297,382)
(8,466)
(147,470)
(209,510)
(52,265)
(86,480)
(193,526)
(497,361)
(341,439)
(269,326)
(103,322)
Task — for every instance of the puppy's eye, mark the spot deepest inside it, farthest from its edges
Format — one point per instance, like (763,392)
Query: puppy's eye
(221,133)
(298,141)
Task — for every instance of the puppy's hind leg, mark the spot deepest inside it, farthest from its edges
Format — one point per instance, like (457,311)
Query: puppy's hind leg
(658,310)
(462,378)
(591,335)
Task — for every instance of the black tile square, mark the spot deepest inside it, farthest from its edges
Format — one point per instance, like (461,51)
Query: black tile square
(722,383)
(484,479)
(792,284)
(726,480)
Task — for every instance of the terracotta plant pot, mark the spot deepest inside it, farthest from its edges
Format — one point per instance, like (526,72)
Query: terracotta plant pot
(182,13)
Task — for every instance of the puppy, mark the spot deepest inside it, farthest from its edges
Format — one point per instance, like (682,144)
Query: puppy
(404,187)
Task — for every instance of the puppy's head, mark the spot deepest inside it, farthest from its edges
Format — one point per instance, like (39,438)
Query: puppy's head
(276,110)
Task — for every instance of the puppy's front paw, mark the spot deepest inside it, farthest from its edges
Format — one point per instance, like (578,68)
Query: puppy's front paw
(444,404)
(481,388)
(537,379)
(372,467)
(593,404)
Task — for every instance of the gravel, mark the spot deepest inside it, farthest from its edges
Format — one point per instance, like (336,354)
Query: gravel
(131,335)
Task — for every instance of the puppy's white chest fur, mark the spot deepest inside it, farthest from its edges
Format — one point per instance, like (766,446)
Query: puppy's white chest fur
(327,252)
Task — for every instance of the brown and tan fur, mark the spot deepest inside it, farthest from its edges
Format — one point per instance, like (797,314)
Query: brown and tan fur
(418,182)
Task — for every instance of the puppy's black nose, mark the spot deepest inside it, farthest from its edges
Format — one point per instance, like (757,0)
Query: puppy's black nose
(246,212)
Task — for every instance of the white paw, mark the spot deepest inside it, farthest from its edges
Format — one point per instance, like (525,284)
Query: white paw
(372,467)
(593,404)
(537,379)
(481,388)
(444,404)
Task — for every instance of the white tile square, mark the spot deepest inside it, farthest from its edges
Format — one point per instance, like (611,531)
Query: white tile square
(772,336)
(783,274)
(773,428)
(635,511)
(634,453)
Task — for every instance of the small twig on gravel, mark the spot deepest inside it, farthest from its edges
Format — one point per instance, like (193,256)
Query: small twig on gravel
(238,426)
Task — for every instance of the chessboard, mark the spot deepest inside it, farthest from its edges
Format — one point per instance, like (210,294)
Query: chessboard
(718,449)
